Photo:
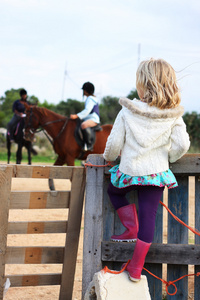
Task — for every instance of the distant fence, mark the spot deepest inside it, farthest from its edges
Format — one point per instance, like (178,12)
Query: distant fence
(101,221)
(73,200)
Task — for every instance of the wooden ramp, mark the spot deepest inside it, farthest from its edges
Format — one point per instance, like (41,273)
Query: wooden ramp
(72,199)
(101,221)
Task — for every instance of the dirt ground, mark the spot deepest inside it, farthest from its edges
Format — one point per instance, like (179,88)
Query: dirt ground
(52,292)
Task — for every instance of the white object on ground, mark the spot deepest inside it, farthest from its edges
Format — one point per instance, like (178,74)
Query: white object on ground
(107,286)
(6,286)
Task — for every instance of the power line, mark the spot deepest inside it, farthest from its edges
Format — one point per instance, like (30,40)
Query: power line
(64,77)
(139,49)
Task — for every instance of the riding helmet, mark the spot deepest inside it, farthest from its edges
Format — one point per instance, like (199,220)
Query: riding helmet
(88,87)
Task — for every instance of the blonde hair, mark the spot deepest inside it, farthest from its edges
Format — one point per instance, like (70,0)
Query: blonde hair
(157,80)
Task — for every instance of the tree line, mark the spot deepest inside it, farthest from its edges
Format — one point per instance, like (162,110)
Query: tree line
(109,108)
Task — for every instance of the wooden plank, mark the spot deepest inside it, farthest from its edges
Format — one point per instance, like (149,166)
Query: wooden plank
(93,225)
(158,253)
(108,213)
(43,255)
(5,186)
(34,280)
(73,232)
(189,164)
(109,216)
(55,172)
(197,238)
(155,286)
(177,233)
(51,199)
(37,227)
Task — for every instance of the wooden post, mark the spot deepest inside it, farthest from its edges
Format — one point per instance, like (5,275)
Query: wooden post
(5,186)
(93,225)
(197,238)
(178,234)
(155,285)
(73,231)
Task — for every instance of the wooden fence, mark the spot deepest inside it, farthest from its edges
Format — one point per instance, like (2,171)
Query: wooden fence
(73,200)
(101,221)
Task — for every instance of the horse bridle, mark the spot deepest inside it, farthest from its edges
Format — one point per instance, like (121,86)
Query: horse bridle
(33,131)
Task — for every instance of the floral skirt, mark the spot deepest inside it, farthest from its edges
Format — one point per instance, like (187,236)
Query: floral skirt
(121,180)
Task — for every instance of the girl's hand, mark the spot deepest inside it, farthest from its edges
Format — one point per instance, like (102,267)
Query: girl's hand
(73,117)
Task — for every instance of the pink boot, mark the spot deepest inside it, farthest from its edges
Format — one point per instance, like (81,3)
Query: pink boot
(128,217)
(136,264)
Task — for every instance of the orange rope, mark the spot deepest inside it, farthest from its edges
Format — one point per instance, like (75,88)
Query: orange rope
(89,164)
(180,221)
(107,270)
(167,283)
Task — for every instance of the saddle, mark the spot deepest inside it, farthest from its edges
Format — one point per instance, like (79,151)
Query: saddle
(86,138)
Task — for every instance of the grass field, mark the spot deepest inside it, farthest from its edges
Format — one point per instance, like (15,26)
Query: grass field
(40,158)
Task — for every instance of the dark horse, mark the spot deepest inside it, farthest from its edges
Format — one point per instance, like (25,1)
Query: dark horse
(21,142)
(61,130)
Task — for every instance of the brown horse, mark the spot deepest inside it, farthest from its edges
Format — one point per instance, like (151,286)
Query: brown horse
(61,130)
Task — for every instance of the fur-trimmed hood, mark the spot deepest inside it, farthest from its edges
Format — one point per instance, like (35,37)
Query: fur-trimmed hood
(143,109)
(148,123)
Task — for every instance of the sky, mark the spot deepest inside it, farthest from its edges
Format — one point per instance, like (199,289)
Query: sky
(51,48)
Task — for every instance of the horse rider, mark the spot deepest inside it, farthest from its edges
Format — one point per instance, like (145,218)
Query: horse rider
(18,109)
(89,115)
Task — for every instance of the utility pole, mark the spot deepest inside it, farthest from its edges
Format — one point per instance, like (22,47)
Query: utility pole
(139,49)
(64,78)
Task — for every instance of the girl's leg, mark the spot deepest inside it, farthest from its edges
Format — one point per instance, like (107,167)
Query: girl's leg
(148,200)
(88,136)
(88,123)
(126,212)
(117,196)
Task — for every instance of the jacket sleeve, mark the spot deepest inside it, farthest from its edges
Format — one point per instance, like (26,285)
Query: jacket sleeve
(90,103)
(180,142)
(115,140)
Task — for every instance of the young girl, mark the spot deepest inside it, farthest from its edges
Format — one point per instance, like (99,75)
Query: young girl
(89,116)
(148,133)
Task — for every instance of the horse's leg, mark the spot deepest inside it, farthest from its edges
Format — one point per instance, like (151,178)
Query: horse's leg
(70,160)
(29,147)
(19,154)
(8,148)
(59,162)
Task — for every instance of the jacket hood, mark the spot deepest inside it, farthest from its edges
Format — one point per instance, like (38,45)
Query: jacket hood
(148,123)
(143,109)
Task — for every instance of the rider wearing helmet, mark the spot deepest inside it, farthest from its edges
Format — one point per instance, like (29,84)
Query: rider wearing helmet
(89,115)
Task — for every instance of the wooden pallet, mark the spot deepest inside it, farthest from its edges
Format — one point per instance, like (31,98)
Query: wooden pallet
(73,200)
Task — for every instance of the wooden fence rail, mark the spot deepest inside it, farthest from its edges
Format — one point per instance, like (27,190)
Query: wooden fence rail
(101,221)
(73,200)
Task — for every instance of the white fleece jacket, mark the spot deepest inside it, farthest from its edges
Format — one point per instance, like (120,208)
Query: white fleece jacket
(147,137)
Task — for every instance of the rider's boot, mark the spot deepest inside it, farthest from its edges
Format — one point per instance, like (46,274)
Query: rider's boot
(88,139)
(128,217)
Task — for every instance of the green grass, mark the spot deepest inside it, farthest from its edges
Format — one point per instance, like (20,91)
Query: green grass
(48,158)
